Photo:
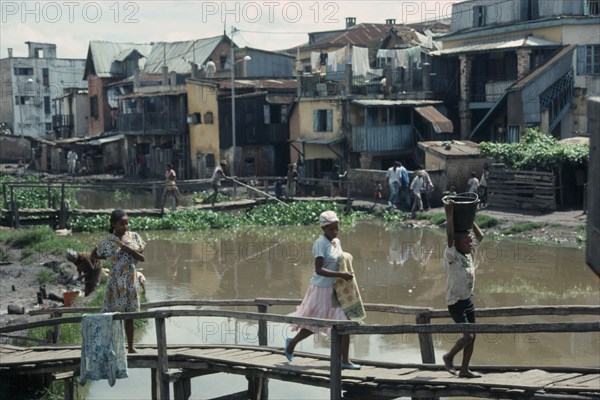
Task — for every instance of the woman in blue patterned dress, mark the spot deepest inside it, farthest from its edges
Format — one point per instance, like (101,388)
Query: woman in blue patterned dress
(123,249)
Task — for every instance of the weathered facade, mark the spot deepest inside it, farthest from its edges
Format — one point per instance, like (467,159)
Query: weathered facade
(71,114)
(30,83)
(522,63)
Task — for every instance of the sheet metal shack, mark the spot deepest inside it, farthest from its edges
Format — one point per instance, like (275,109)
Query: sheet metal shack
(456,160)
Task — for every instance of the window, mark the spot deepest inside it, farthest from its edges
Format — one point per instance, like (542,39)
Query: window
(323,120)
(588,59)
(47,105)
(532,9)
(208,117)
(23,71)
(222,62)
(592,7)
(45,77)
(274,114)
(39,53)
(48,126)
(94,107)
(478,16)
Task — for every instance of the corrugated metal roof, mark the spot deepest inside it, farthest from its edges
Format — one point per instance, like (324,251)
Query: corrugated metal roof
(69,140)
(106,139)
(105,53)
(363,34)
(313,140)
(179,55)
(152,94)
(260,84)
(440,123)
(394,103)
(498,44)
(451,148)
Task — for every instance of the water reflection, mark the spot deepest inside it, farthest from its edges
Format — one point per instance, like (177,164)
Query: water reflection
(111,199)
(393,266)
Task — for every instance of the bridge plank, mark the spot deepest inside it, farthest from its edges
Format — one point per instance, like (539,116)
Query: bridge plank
(586,381)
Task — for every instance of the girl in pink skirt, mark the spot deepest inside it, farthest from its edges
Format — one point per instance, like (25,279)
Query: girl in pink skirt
(317,303)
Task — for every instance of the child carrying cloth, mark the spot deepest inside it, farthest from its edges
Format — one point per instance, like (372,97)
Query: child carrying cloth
(346,294)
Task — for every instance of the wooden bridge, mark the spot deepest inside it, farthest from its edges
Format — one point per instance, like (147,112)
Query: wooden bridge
(178,364)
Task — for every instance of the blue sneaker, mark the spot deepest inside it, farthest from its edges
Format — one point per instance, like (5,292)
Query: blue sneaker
(289,356)
(350,366)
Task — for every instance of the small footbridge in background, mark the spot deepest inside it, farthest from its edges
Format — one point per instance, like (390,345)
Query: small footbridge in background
(177,365)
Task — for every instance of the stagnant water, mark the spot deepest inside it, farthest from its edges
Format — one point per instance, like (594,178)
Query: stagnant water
(393,266)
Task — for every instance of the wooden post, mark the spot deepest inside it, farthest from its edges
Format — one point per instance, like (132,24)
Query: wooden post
(425,340)
(263,340)
(63,214)
(153,384)
(16,215)
(348,200)
(49,196)
(69,392)
(234,190)
(335,365)
(162,369)
(56,331)
(182,389)
(4,197)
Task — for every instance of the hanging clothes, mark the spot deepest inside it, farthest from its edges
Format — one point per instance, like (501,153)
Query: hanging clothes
(360,60)
(103,354)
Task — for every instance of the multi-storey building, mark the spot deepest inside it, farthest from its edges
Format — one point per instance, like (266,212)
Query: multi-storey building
(29,84)
(522,63)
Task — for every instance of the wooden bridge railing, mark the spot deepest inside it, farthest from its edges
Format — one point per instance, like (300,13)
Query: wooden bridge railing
(423,327)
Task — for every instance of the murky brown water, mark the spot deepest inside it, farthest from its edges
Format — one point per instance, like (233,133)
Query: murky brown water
(393,266)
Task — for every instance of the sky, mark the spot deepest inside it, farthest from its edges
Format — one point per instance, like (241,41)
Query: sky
(268,24)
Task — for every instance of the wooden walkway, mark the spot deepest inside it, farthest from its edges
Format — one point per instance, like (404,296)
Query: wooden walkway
(375,379)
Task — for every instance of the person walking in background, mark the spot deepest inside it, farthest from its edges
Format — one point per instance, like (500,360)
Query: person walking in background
(472,183)
(415,188)
(378,193)
(426,189)
(170,186)
(460,264)
(124,249)
(336,181)
(215,180)
(318,303)
(291,182)
(404,193)
(394,178)
(84,165)
(71,161)
(483,186)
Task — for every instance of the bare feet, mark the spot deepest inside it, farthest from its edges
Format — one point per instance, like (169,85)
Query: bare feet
(468,374)
(132,350)
(448,364)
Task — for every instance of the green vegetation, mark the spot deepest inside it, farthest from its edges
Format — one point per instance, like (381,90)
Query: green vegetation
(581,233)
(299,213)
(523,227)
(536,150)
(39,240)
(119,195)
(36,197)
(45,276)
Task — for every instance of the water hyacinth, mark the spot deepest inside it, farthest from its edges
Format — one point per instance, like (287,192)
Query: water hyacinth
(299,213)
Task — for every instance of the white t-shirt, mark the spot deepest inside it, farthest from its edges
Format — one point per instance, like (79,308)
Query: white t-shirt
(415,185)
(461,273)
(331,251)
(216,176)
(393,176)
(473,185)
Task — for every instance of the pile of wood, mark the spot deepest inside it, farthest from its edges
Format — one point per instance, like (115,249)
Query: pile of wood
(521,189)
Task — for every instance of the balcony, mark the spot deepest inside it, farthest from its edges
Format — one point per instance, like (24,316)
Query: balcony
(489,89)
(159,122)
(382,138)
(62,121)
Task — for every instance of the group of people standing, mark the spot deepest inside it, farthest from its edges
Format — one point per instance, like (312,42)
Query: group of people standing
(404,194)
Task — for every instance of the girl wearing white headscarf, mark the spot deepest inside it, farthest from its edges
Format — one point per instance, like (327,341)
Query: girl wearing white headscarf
(317,302)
